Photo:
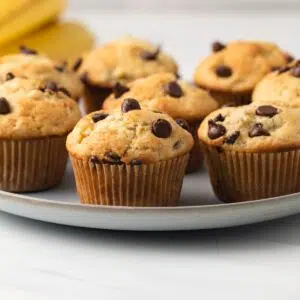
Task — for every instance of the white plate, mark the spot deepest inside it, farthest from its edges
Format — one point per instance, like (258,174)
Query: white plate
(198,209)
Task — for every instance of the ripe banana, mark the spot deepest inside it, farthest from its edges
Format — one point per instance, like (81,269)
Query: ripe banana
(18,17)
(59,40)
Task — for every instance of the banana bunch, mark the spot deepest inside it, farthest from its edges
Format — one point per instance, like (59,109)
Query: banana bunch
(35,23)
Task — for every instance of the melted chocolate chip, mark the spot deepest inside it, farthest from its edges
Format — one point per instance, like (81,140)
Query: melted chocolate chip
(4,106)
(296,71)
(232,138)
(258,130)
(112,158)
(99,117)
(223,71)
(119,89)
(51,86)
(28,51)
(77,64)
(129,104)
(219,118)
(215,130)
(65,91)
(266,111)
(217,46)
(9,76)
(59,68)
(183,123)
(173,89)
(161,128)
(148,55)
(136,162)
(283,69)
(84,78)
(94,160)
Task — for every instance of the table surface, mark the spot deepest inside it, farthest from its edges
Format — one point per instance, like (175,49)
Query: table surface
(46,261)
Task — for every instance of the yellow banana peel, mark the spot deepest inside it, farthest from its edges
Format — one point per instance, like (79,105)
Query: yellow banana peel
(59,40)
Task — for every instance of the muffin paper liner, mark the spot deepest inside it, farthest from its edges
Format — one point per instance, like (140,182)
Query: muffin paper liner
(157,184)
(231,99)
(32,164)
(242,176)
(196,155)
(94,97)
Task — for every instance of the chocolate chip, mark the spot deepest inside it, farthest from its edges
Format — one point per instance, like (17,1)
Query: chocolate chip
(266,111)
(94,160)
(59,68)
(136,162)
(148,55)
(173,89)
(112,158)
(275,68)
(289,58)
(215,130)
(65,91)
(4,106)
(84,78)
(283,69)
(161,128)
(258,130)
(183,123)
(26,50)
(296,71)
(51,86)
(219,118)
(177,144)
(10,76)
(217,46)
(119,89)
(178,76)
(232,138)
(223,71)
(129,104)
(77,64)
(99,117)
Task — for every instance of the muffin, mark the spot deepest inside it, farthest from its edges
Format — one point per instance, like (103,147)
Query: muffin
(34,123)
(129,157)
(232,71)
(252,151)
(120,61)
(281,87)
(185,103)
(30,64)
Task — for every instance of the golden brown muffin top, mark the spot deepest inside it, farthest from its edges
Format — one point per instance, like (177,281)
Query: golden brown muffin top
(29,110)
(281,87)
(163,92)
(252,128)
(33,65)
(124,60)
(238,66)
(130,136)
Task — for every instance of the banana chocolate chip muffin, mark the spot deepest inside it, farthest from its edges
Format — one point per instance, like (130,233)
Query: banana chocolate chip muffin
(30,64)
(252,151)
(129,157)
(185,103)
(34,123)
(232,71)
(120,61)
(281,87)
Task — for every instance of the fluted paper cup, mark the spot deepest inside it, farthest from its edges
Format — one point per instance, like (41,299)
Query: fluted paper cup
(157,184)
(32,164)
(244,176)
(231,99)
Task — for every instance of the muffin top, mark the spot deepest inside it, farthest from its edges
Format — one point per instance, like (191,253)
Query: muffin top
(129,135)
(252,128)
(28,110)
(238,66)
(32,65)
(281,87)
(163,92)
(124,60)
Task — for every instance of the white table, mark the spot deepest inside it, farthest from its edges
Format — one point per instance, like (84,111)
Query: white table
(258,262)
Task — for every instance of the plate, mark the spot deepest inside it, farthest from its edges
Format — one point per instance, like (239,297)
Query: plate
(198,209)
